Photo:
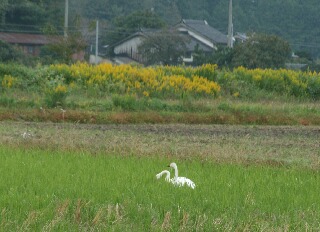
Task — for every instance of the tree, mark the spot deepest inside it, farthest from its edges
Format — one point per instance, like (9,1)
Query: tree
(126,25)
(63,49)
(8,53)
(3,8)
(165,47)
(25,16)
(261,51)
(222,56)
(30,15)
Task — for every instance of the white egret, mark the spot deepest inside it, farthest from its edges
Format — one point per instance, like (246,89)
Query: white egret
(167,178)
(179,180)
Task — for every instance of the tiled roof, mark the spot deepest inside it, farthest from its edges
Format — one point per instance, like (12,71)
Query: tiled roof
(19,38)
(203,28)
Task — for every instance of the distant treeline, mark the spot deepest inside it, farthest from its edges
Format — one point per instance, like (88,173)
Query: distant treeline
(294,20)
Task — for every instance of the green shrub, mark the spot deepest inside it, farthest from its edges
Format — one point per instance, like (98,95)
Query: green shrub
(313,88)
(126,102)
(7,101)
(55,92)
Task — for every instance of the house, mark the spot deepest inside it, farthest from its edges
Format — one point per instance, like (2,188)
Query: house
(240,37)
(202,36)
(199,33)
(30,44)
(126,50)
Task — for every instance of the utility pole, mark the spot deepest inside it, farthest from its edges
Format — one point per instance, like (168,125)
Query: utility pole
(66,16)
(230,26)
(97,41)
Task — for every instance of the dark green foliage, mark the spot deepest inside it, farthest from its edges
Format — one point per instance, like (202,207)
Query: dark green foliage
(314,88)
(29,76)
(261,51)
(303,55)
(53,99)
(222,57)
(32,15)
(293,20)
(123,26)
(8,102)
(62,50)
(8,53)
(126,102)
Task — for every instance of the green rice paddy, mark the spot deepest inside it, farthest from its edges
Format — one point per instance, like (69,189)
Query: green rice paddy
(42,190)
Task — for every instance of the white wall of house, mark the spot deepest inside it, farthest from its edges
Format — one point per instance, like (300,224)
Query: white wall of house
(129,47)
(188,59)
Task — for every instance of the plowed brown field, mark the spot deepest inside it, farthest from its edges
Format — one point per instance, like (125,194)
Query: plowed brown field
(256,145)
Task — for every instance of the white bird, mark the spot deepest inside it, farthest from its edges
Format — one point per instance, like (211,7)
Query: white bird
(179,180)
(26,135)
(167,178)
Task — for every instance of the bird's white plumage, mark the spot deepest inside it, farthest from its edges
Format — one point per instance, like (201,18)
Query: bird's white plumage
(167,178)
(179,180)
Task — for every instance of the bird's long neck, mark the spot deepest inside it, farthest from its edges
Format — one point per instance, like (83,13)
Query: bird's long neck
(168,174)
(175,172)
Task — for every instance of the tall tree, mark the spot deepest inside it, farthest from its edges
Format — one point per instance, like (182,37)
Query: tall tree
(3,9)
(261,51)
(126,25)
(30,15)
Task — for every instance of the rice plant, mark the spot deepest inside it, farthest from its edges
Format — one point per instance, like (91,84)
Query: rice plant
(59,191)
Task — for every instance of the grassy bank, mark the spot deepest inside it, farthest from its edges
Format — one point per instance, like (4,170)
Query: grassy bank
(42,190)
(159,111)
(163,94)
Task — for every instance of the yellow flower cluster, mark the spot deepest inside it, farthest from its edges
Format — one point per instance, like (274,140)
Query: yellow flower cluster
(8,81)
(175,81)
(283,80)
(165,81)
(60,89)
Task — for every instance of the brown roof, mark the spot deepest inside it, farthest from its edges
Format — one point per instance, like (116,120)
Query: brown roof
(19,38)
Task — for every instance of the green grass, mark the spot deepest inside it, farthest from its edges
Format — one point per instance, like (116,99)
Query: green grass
(122,109)
(46,190)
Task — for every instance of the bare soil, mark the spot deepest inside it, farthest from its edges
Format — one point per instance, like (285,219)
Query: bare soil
(270,145)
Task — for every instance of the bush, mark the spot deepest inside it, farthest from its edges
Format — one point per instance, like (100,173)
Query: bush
(126,102)
(55,93)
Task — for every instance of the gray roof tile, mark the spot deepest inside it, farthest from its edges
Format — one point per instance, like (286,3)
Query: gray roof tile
(203,28)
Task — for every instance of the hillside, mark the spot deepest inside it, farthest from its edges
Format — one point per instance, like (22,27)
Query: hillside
(294,20)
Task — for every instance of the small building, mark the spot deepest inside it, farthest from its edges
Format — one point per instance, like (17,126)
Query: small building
(30,44)
(240,37)
(200,36)
(128,47)
(201,31)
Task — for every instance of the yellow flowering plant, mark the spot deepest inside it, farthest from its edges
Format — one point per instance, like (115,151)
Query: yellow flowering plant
(8,81)
(55,92)
(165,82)
(175,81)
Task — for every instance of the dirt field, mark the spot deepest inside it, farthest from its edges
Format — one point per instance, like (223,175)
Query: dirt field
(270,145)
